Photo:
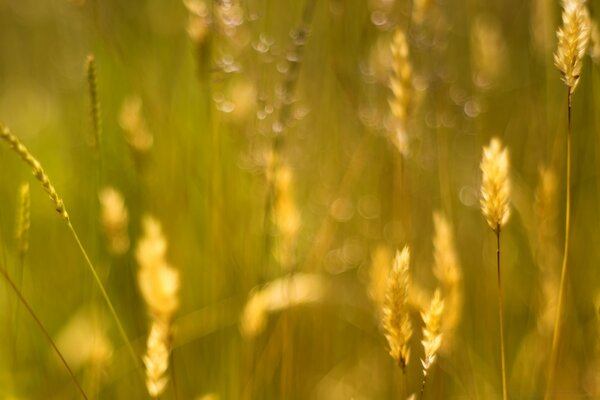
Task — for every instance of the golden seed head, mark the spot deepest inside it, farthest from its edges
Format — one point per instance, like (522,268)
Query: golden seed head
(447,271)
(280,294)
(401,87)
(495,185)
(432,336)
(158,281)
(156,359)
(573,39)
(23,219)
(132,122)
(83,340)
(488,51)
(396,318)
(115,219)
(36,169)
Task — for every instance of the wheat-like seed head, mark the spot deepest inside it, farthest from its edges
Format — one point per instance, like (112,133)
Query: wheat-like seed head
(156,359)
(132,121)
(495,186)
(573,40)
(158,281)
(432,336)
(36,168)
(114,218)
(401,87)
(23,219)
(278,295)
(396,318)
(447,271)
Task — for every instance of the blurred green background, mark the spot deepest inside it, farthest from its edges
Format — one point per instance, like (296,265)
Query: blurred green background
(222,86)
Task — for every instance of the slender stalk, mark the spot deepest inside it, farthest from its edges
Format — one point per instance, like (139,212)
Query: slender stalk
(106,298)
(42,328)
(563,273)
(504,392)
(423,386)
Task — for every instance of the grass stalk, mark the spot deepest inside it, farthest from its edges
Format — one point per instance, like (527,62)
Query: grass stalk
(563,273)
(501,319)
(24,302)
(105,296)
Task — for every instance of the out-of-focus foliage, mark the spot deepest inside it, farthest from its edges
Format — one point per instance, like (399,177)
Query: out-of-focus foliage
(259,135)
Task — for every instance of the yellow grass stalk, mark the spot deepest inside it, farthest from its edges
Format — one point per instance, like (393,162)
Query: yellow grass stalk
(40,175)
(495,195)
(573,39)
(396,318)
(432,335)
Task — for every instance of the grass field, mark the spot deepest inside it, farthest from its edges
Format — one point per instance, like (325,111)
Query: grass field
(252,199)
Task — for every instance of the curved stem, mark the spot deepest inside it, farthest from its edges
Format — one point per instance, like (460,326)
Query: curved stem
(106,298)
(42,329)
(504,391)
(563,273)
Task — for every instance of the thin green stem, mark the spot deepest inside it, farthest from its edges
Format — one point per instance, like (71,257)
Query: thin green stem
(106,298)
(563,273)
(500,302)
(42,328)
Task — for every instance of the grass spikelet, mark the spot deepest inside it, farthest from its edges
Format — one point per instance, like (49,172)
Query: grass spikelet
(573,39)
(489,52)
(447,271)
(132,122)
(36,168)
(158,281)
(95,113)
(40,175)
(281,294)
(432,335)
(23,220)
(495,196)
(495,186)
(159,284)
(396,318)
(402,89)
(156,359)
(114,218)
